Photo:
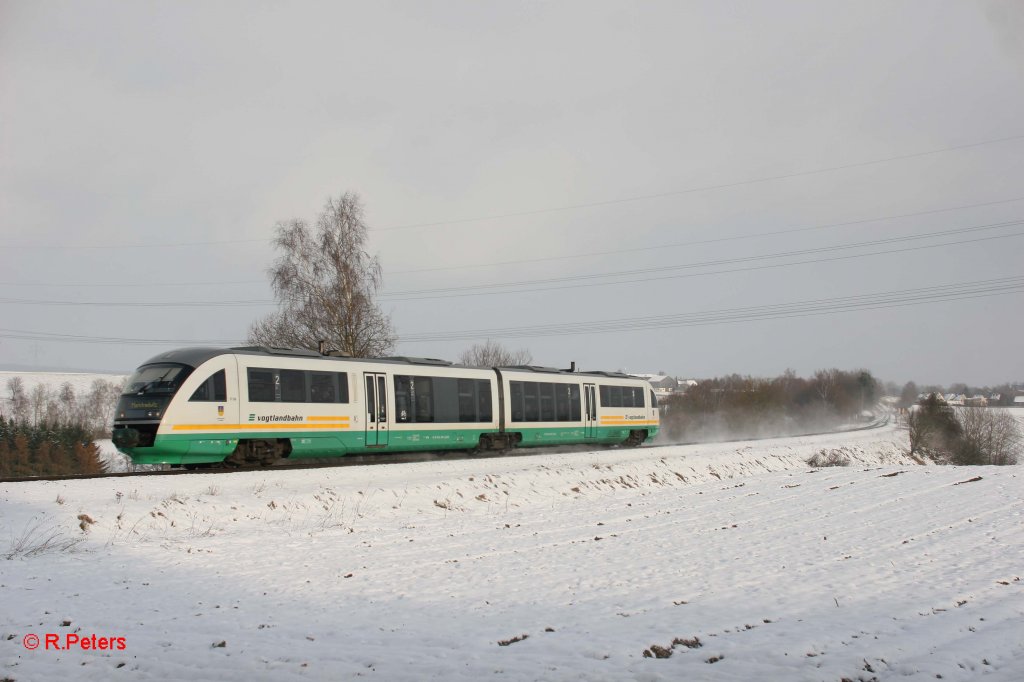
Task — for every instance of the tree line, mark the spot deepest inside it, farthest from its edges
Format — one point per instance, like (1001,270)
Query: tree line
(92,410)
(737,406)
(51,431)
(963,435)
(46,449)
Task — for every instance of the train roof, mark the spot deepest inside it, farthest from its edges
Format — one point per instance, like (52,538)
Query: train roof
(554,370)
(198,355)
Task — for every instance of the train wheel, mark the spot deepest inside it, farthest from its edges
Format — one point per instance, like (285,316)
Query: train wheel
(484,445)
(636,439)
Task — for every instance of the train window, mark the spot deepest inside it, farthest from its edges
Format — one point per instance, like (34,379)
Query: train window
(516,400)
(467,400)
(293,386)
(160,378)
(414,398)
(654,400)
(446,399)
(403,399)
(214,389)
(531,401)
(290,386)
(547,402)
(261,385)
(423,398)
(562,409)
(323,387)
(483,398)
(342,386)
(382,400)
(632,396)
(611,396)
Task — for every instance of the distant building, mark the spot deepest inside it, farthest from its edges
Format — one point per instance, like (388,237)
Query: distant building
(664,385)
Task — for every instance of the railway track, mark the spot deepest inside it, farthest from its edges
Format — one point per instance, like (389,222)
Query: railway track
(406,458)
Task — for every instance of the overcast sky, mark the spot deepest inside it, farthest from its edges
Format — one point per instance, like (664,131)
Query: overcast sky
(147,150)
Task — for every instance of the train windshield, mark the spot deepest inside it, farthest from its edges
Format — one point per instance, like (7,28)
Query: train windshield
(159,379)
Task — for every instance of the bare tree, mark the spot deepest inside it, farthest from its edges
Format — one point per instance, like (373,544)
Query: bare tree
(19,399)
(826,382)
(38,401)
(988,436)
(325,283)
(921,430)
(493,354)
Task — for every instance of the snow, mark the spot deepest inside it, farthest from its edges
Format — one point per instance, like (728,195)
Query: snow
(113,460)
(882,569)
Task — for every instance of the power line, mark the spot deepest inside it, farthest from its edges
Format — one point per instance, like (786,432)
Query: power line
(553,209)
(701,242)
(804,308)
(723,261)
(557,283)
(24,335)
(771,266)
(141,304)
(657,247)
(702,188)
(134,285)
(813,307)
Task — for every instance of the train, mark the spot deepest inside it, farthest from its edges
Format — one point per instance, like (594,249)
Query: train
(255,406)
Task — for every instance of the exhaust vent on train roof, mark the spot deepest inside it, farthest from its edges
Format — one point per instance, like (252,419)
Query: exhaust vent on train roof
(331,353)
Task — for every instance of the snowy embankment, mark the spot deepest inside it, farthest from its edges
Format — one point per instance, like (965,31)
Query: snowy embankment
(736,559)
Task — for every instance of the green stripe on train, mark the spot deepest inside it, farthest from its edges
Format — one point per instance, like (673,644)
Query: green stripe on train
(203,449)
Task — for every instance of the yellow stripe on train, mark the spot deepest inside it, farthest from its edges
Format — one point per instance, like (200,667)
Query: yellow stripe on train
(282,426)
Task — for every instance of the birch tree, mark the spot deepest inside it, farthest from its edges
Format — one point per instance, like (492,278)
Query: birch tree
(326,283)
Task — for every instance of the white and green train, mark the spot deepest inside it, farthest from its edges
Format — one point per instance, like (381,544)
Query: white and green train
(254,406)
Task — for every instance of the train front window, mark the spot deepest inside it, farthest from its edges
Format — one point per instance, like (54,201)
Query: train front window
(158,379)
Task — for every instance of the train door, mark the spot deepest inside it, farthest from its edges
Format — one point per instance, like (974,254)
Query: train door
(589,411)
(376,409)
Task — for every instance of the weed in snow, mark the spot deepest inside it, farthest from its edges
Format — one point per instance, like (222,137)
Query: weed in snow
(40,536)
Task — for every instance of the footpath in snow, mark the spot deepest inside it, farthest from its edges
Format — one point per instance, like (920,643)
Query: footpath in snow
(727,561)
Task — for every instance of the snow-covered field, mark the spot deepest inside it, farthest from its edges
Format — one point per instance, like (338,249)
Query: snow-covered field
(883,569)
